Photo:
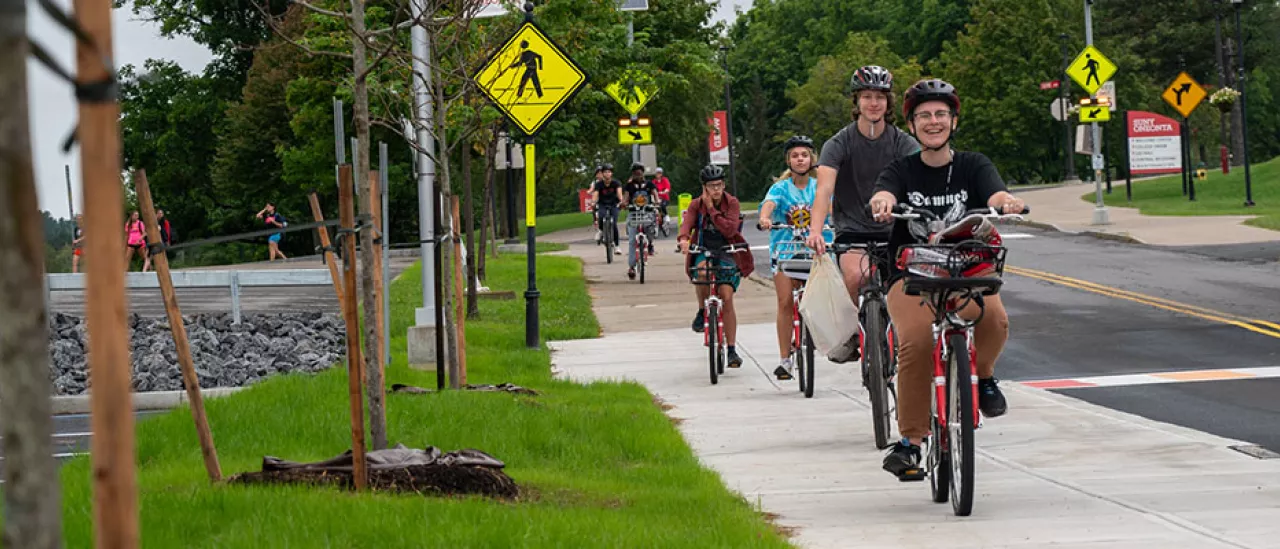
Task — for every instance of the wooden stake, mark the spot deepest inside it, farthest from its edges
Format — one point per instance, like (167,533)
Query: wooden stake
(355,373)
(375,206)
(115,490)
(178,329)
(328,255)
(460,374)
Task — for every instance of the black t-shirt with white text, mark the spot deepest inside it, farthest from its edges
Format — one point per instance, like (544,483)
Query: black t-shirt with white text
(608,191)
(970,179)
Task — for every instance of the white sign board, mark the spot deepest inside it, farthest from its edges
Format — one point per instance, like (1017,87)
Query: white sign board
(1155,143)
(500,155)
(1056,108)
(1108,90)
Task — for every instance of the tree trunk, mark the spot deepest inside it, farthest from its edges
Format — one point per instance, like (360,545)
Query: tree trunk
(473,309)
(446,278)
(486,223)
(31,489)
(373,374)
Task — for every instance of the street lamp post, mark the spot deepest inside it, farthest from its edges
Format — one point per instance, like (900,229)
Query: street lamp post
(728,101)
(1065,88)
(1244,112)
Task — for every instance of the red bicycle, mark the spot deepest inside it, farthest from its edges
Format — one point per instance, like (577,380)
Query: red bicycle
(959,264)
(715,268)
(795,260)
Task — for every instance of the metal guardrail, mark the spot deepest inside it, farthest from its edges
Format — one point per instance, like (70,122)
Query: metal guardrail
(233,280)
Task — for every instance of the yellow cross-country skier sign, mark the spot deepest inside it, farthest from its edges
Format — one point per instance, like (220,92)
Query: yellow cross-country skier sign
(529,78)
(1091,69)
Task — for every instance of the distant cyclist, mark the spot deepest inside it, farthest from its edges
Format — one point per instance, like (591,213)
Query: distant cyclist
(607,195)
(714,220)
(938,179)
(591,206)
(788,202)
(663,185)
(638,188)
(847,169)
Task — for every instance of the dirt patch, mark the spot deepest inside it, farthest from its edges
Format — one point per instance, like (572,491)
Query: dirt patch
(430,480)
(787,532)
(662,404)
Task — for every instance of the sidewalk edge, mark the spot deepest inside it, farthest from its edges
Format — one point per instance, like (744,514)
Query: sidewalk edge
(145,401)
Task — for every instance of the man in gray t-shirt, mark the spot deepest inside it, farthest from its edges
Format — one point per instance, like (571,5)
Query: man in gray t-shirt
(850,162)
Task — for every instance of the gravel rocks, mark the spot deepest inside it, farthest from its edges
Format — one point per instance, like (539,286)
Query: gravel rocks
(225,355)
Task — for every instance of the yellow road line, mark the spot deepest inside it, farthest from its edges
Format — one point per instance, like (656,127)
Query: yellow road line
(1168,305)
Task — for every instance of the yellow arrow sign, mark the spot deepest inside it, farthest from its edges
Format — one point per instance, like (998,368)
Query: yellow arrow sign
(1091,69)
(529,78)
(1095,114)
(1184,94)
(636,135)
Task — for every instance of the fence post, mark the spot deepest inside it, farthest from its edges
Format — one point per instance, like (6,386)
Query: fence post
(235,297)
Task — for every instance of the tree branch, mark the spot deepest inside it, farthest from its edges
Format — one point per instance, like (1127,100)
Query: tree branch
(320,11)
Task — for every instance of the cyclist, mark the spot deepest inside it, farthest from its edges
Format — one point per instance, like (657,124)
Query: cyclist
(847,169)
(595,217)
(663,185)
(788,201)
(637,187)
(606,194)
(716,218)
(939,179)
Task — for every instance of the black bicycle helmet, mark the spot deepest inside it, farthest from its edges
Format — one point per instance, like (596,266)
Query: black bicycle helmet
(637,166)
(796,141)
(931,89)
(871,77)
(607,167)
(711,172)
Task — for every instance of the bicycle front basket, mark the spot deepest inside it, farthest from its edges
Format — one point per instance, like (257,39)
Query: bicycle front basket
(640,218)
(968,259)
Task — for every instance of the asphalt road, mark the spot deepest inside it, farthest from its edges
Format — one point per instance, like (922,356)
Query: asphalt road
(1081,307)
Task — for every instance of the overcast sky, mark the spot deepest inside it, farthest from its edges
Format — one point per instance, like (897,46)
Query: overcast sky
(52,103)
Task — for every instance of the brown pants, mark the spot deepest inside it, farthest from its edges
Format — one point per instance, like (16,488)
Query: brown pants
(912,325)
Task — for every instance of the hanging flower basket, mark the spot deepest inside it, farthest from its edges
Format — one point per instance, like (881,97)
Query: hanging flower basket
(1224,99)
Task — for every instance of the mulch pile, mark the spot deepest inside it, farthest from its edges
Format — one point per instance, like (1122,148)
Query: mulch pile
(398,469)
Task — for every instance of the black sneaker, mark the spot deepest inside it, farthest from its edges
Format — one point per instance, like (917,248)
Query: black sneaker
(735,361)
(903,460)
(782,373)
(990,399)
(699,321)
(631,274)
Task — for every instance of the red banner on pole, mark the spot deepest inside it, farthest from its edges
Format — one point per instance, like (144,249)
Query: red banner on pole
(718,138)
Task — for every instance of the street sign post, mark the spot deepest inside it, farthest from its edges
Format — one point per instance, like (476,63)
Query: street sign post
(1050,85)
(1058,108)
(529,78)
(1091,69)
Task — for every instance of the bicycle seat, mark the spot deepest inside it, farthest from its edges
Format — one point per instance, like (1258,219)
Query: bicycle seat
(918,285)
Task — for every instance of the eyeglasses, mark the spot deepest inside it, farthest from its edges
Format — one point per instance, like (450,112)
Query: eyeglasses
(940,116)
(717,185)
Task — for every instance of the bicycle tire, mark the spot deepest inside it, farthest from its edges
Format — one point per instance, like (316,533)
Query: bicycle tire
(643,253)
(723,356)
(807,338)
(608,245)
(877,385)
(960,402)
(713,353)
(799,357)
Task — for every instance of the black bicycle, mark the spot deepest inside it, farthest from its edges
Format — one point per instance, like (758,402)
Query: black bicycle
(876,338)
(608,223)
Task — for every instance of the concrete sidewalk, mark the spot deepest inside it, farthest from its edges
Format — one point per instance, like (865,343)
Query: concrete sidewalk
(1062,209)
(1053,471)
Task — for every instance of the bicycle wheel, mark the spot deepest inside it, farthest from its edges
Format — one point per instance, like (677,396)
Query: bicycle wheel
(960,423)
(713,353)
(642,250)
(722,356)
(799,356)
(608,243)
(877,384)
(807,340)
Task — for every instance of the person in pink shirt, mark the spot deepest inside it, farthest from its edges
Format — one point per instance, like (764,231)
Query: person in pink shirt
(135,234)
(663,185)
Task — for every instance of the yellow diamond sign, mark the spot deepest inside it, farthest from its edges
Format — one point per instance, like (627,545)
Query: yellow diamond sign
(1091,69)
(529,78)
(633,91)
(1184,94)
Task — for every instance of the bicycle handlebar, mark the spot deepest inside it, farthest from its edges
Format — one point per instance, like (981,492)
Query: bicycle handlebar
(784,226)
(903,211)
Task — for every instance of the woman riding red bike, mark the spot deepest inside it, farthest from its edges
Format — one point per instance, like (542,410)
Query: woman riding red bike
(945,182)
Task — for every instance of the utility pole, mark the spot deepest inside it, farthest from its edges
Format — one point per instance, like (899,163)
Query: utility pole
(1069,154)
(728,102)
(1244,109)
(631,37)
(1222,77)
(421,48)
(1100,216)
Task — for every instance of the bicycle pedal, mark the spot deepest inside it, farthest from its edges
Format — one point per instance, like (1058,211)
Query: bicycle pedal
(912,475)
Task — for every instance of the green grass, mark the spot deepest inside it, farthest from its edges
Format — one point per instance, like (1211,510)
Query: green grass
(1218,195)
(600,464)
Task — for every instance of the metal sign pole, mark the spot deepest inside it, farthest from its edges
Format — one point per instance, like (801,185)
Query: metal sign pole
(1100,216)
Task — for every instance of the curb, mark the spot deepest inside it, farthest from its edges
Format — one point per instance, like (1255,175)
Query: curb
(149,400)
(1117,237)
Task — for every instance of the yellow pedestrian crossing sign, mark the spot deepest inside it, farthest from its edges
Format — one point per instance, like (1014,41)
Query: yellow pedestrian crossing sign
(1095,114)
(529,78)
(1184,94)
(1091,69)
(633,91)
